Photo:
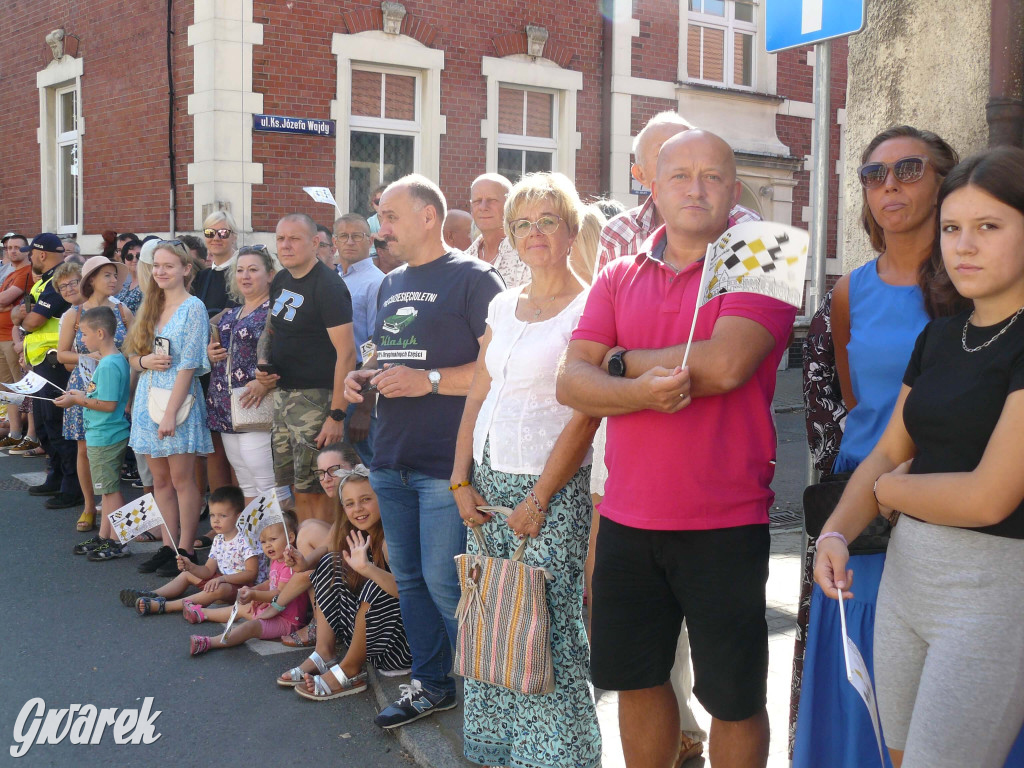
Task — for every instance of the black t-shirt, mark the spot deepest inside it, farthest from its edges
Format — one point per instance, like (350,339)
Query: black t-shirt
(957,397)
(211,288)
(50,303)
(301,311)
(428,317)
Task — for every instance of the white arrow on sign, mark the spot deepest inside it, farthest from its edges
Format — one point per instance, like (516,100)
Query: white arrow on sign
(810,19)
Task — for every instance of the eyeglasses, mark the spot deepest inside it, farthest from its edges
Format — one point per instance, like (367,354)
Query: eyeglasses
(376,201)
(319,474)
(68,285)
(170,243)
(130,256)
(257,248)
(223,234)
(906,170)
(546,225)
(355,237)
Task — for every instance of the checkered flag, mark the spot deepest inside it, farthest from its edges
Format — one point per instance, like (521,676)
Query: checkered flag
(757,257)
(263,511)
(136,518)
(31,384)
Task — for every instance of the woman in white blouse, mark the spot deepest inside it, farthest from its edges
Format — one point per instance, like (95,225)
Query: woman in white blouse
(519,448)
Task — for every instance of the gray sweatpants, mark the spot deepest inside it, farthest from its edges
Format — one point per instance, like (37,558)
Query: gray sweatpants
(949,646)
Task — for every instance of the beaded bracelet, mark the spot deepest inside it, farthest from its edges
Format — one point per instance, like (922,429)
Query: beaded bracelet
(533,497)
(538,520)
(832,535)
(455,486)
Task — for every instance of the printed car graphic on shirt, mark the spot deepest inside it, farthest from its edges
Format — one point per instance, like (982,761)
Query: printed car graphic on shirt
(402,318)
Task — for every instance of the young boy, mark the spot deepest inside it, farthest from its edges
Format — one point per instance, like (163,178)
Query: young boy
(106,426)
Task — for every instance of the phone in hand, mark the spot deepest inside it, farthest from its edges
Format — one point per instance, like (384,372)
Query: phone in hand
(161,346)
(266,368)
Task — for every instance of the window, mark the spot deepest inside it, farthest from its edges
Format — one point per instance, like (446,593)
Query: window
(67,143)
(384,131)
(720,42)
(526,131)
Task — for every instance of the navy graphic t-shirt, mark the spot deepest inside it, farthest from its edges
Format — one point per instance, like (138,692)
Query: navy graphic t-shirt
(428,317)
(301,311)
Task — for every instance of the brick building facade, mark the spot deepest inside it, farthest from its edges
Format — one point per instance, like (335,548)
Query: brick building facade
(443,88)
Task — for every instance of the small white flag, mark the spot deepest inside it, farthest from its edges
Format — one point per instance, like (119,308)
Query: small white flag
(859,677)
(321,195)
(9,398)
(32,383)
(262,511)
(231,620)
(88,366)
(135,518)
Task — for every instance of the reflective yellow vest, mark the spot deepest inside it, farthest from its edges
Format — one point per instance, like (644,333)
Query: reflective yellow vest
(43,338)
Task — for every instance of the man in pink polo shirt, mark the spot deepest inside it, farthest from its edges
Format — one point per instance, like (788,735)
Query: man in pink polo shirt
(690,456)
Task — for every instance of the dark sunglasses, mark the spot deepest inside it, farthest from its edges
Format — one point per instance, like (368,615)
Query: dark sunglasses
(258,248)
(130,256)
(170,244)
(223,234)
(906,170)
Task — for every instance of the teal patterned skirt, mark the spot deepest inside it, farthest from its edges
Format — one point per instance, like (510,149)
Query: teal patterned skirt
(553,730)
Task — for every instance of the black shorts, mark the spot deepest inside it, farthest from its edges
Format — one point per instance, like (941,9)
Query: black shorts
(647,582)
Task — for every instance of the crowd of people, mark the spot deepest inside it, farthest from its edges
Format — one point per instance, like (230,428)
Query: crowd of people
(396,380)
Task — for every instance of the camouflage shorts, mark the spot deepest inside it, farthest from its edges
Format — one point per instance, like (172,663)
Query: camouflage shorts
(299,415)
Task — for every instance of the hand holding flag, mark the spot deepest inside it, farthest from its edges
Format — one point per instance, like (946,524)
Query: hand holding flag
(137,517)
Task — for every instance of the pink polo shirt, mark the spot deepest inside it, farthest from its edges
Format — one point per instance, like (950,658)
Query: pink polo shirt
(711,464)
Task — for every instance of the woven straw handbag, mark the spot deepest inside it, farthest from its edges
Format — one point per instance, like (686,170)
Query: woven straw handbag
(504,627)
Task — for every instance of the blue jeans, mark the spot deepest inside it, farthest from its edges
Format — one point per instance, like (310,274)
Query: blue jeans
(424,534)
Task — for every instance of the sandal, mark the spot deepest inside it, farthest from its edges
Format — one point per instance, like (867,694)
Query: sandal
(35,453)
(292,639)
(192,613)
(296,675)
(146,537)
(322,690)
(150,605)
(198,645)
(129,597)
(688,749)
(86,522)
(203,542)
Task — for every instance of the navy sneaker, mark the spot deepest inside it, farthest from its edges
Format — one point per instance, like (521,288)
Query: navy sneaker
(108,550)
(415,702)
(87,546)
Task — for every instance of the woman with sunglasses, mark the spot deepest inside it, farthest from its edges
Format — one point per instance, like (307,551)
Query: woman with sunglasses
(131,294)
(876,313)
(519,448)
(238,331)
(170,448)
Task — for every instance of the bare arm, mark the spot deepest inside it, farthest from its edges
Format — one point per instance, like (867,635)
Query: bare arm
(467,497)
(839,320)
(9,297)
(65,354)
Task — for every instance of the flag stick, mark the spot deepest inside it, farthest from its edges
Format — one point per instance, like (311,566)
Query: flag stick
(31,397)
(842,627)
(700,293)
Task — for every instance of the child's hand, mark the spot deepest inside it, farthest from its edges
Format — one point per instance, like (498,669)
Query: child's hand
(244,596)
(292,557)
(357,556)
(213,584)
(184,564)
(70,398)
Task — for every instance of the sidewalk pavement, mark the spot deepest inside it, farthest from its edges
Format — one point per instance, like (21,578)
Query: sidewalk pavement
(436,741)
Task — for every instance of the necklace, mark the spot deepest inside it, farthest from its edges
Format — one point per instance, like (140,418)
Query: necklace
(538,310)
(963,337)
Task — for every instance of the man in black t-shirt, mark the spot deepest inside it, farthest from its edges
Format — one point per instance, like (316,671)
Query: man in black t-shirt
(311,349)
(431,315)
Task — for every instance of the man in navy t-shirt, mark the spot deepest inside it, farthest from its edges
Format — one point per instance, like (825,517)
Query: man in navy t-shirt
(431,314)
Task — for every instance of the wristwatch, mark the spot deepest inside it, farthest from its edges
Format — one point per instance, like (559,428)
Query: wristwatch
(435,379)
(337,414)
(617,364)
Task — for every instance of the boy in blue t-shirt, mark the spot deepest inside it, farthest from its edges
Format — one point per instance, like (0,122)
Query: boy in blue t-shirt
(106,425)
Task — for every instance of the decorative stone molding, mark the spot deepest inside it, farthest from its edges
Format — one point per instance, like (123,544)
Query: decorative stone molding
(393,15)
(56,42)
(536,37)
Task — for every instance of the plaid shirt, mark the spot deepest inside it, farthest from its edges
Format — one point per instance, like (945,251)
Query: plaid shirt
(624,234)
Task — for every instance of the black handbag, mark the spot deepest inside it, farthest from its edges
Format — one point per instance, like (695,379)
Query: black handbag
(820,501)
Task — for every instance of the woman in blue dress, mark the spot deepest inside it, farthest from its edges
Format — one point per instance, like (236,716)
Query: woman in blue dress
(877,312)
(172,320)
(100,279)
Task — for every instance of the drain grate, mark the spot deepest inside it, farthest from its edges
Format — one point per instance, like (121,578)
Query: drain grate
(784,518)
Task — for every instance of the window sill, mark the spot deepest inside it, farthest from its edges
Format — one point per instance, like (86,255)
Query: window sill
(683,85)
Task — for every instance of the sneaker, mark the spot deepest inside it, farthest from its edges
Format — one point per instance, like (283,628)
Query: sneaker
(10,442)
(109,550)
(129,474)
(129,597)
(25,446)
(137,483)
(87,546)
(43,490)
(65,500)
(198,645)
(170,568)
(415,702)
(160,557)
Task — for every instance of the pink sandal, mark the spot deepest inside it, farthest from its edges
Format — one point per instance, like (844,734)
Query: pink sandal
(192,613)
(198,645)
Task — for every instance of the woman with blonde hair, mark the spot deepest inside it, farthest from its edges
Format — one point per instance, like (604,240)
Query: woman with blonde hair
(167,345)
(583,257)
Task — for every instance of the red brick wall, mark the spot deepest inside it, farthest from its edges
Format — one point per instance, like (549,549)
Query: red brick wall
(655,53)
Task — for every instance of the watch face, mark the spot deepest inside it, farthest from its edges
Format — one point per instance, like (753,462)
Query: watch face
(337,414)
(434,377)
(616,366)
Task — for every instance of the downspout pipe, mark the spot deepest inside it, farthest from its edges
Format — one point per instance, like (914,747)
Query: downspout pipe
(607,43)
(1005,109)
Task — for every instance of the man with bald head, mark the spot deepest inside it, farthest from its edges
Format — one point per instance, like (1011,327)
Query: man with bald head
(624,234)
(458,229)
(487,204)
(690,454)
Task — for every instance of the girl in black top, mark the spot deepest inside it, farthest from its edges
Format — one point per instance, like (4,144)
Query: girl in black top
(949,637)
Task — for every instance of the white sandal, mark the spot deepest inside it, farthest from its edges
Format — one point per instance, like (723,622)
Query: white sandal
(296,674)
(322,691)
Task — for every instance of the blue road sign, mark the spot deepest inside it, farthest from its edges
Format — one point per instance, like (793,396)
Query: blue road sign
(792,23)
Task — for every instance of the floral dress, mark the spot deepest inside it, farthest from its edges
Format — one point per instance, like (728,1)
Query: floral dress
(239,337)
(130,297)
(189,333)
(74,419)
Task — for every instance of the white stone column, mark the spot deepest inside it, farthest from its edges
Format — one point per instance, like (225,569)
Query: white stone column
(222,104)
(624,28)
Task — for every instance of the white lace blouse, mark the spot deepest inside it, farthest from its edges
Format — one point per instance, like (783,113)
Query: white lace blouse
(520,414)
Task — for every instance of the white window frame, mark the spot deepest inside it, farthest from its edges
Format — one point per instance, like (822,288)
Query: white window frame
(522,142)
(729,26)
(384,125)
(59,77)
(530,73)
(399,54)
(64,138)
